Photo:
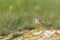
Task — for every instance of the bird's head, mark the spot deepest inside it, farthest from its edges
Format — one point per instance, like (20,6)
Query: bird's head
(37,17)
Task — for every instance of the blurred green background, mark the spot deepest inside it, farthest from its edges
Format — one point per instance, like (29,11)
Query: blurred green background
(17,14)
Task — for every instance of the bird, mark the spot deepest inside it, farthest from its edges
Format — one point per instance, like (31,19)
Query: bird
(38,22)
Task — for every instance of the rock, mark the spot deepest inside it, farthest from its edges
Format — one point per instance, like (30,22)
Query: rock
(37,33)
(48,33)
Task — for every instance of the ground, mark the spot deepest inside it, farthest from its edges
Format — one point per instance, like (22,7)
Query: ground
(35,34)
